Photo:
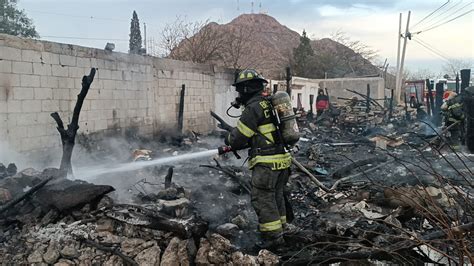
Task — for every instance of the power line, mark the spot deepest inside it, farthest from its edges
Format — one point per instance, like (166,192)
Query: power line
(433,51)
(447,16)
(430,14)
(85,38)
(428,21)
(445,22)
(77,16)
(434,48)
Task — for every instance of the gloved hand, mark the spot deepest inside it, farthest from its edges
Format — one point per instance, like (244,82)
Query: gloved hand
(226,140)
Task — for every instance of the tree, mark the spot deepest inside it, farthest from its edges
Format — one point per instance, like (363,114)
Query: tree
(135,43)
(198,42)
(453,67)
(14,21)
(303,57)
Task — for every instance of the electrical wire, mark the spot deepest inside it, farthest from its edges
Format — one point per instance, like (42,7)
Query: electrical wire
(445,22)
(433,51)
(440,14)
(233,116)
(83,38)
(434,48)
(430,14)
(77,16)
(447,16)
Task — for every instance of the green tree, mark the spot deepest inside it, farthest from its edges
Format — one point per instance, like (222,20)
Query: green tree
(135,43)
(303,57)
(14,21)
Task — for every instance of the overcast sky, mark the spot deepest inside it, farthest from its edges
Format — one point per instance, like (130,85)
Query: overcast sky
(374,22)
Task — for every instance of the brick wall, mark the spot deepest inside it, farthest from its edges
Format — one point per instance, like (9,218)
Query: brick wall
(129,91)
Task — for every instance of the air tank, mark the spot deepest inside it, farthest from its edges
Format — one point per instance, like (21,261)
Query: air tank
(288,126)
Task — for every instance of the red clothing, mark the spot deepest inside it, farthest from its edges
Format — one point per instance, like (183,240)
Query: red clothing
(322,102)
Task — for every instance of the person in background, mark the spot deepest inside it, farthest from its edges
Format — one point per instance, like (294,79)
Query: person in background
(322,102)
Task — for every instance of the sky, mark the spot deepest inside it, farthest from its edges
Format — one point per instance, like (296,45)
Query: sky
(374,22)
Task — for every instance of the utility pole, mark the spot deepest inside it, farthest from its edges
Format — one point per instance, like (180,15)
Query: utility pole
(402,61)
(144,37)
(397,75)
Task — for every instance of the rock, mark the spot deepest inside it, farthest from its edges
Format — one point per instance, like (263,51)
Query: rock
(109,238)
(52,253)
(176,207)
(217,257)
(170,256)
(149,256)
(113,261)
(50,217)
(186,252)
(64,194)
(5,195)
(170,193)
(105,202)
(105,225)
(64,262)
(36,256)
(129,246)
(11,169)
(228,230)
(221,243)
(240,221)
(266,257)
(238,258)
(203,251)
(69,251)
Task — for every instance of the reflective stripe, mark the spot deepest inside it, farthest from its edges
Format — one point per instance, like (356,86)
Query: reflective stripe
(283,219)
(271,226)
(278,161)
(454,106)
(245,130)
(267,128)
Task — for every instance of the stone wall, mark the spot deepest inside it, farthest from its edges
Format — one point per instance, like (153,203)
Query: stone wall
(129,92)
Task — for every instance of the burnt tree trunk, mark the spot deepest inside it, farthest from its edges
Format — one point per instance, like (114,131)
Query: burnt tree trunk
(68,135)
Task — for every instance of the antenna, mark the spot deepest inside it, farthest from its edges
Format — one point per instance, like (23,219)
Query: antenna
(238,6)
(260,7)
(252,8)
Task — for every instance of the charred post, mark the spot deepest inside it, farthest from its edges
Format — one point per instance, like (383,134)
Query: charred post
(367,103)
(457,83)
(439,102)
(465,77)
(169,177)
(181,109)
(390,112)
(288,79)
(68,135)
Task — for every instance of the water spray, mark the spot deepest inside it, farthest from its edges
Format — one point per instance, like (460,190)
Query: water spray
(97,171)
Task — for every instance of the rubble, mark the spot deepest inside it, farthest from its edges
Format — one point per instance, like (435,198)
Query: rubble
(383,195)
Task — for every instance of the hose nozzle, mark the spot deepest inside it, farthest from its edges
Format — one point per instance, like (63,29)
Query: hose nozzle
(224,149)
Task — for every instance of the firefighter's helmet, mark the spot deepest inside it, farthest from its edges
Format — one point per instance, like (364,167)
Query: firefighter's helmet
(248,76)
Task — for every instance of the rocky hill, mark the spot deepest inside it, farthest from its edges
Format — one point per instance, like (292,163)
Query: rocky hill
(260,41)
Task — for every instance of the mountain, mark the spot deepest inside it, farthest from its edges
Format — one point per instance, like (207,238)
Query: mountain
(259,41)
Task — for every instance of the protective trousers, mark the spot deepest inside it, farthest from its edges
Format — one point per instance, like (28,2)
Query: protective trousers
(268,200)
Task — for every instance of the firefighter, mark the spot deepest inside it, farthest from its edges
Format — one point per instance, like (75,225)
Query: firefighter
(453,112)
(268,158)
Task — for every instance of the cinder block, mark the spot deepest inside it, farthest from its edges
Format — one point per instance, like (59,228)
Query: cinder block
(60,71)
(30,81)
(43,93)
(41,69)
(104,74)
(83,62)
(19,132)
(31,56)
(49,82)
(26,119)
(9,53)
(50,105)
(14,106)
(77,72)
(67,60)
(110,84)
(100,125)
(21,93)
(61,94)
(117,74)
(31,106)
(9,80)
(22,68)
(66,83)
(5,66)
(97,63)
(50,58)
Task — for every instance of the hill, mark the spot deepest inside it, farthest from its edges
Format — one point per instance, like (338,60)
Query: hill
(259,41)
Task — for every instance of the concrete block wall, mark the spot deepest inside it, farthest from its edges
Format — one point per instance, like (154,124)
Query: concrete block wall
(337,88)
(129,91)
